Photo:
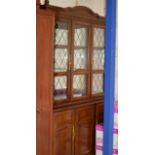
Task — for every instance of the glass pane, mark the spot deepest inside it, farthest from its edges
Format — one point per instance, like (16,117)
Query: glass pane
(79,85)
(97,83)
(98,39)
(60,59)
(80,36)
(80,59)
(61,34)
(60,87)
(98,59)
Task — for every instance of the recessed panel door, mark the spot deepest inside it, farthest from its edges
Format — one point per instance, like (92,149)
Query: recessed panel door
(84,129)
(63,133)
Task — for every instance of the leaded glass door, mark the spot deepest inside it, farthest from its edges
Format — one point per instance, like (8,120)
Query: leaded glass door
(61,59)
(97,60)
(80,55)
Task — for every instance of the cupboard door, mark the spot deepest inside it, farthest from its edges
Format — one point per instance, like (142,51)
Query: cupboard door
(99,113)
(84,130)
(80,61)
(98,57)
(61,60)
(63,133)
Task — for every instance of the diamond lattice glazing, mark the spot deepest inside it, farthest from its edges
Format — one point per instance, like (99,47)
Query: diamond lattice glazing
(60,87)
(97,83)
(98,39)
(79,85)
(80,59)
(80,36)
(61,34)
(98,59)
(60,59)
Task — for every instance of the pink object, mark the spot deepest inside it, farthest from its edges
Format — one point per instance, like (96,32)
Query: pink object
(116,107)
(99,139)
(99,127)
(99,134)
(100,148)
(116,115)
(115,151)
(115,131)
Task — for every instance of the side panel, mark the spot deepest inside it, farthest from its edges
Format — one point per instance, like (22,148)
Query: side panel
(44,50)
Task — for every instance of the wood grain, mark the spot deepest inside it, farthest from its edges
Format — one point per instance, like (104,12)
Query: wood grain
(44,95)
(84,141)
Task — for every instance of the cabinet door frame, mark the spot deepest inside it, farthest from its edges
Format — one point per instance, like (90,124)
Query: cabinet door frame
(81,72)
(96,71)
(67,73)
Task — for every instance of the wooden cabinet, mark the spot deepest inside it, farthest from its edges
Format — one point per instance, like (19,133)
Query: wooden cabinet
(70,72)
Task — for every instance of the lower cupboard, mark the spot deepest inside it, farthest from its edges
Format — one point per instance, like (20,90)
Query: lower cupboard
(74,131)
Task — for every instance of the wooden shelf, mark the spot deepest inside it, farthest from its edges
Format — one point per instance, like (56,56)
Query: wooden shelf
(99,48)
(61,46)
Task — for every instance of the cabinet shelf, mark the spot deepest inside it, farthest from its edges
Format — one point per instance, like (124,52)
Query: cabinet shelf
(61,46)
(80,47)
(99,48)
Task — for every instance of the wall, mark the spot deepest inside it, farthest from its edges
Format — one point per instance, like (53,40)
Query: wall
(97,6)
(63,3)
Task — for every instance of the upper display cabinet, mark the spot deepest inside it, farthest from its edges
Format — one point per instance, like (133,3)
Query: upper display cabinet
(78,55)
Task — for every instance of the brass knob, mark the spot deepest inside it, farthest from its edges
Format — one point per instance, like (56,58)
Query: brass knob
(73,133)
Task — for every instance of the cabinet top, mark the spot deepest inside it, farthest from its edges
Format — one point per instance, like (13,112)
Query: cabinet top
(74,13)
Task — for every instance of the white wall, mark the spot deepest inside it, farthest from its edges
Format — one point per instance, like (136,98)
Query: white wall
(62,3)
(97,6)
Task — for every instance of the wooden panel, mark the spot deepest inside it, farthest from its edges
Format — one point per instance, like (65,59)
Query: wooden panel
(63,133)
(38,140)
(44,49)
(84,129)
(78,13)
(99,113)
(38,2)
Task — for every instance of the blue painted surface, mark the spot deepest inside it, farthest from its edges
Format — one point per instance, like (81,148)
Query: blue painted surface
(110,43)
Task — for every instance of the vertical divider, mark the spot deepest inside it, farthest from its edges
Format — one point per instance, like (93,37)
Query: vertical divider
(72,57)
(110,39)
